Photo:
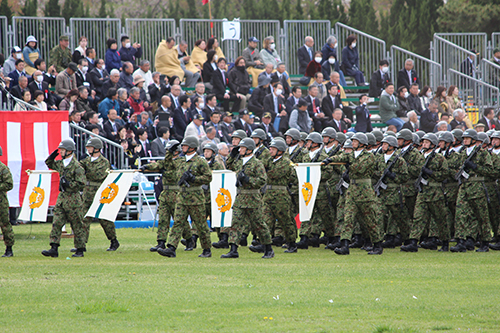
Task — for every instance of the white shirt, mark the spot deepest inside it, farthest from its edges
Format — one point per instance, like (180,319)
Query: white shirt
(246,159)
(328,149)
(92,158)
(409,76)
(277,159)
(496,151)
(470,149)
(457,149)
(67,160)
(188,157)
(388,157)
(357,153)
(291,149)
(312,154)
(427,154)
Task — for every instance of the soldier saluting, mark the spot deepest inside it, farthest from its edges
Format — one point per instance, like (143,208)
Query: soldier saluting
(6,184)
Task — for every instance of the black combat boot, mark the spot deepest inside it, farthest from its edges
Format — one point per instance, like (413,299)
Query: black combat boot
(484,247)
(255,241)
(161,245)
(114,245)
(368,246)
(207,253)
(445,247)
(335,243)
(190,244)
(377,248)
(398,240)
(357,242)
(52,252)
(243,241)
(292,248)
(344,247)
(278,241)
(74,250)
(303,243)
(233,253)
(411,247)
(495,246)
(269,252)
(389,242)
(78,253)
(258,248)
(195,240)
(470,244)
(314,240)
(430,244)
(324,240)
(168,252)
(222,243)
(460,247)
(8,252)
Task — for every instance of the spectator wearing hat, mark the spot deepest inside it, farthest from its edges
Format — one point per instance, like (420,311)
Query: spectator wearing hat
(253,61)
(243,123)
(221,83)
(299,118)
(195,127)
(267,126)
(10,64)
(256,101)
(60,55)
(479,127)
(227,127)
(238,75)
(126,79)
(31,53)
(17,73)
(129,52)
(66,80)
(112,57)
(275,103)
(81,50)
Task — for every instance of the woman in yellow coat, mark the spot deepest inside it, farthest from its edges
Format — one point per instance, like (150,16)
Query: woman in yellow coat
(166,59)
(199,55)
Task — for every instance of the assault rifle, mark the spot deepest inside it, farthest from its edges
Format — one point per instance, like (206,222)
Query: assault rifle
(421,179)
(462,173)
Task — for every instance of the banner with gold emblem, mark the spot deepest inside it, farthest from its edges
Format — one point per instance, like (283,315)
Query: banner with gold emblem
(309,176)
(37,196)
(223,193)
(110,196)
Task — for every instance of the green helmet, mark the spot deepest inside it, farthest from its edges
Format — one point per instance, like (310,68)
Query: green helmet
(94,142)
(470,133)
(432,138)
(67,144)
(258,133)
(171,143)
(349,135)
(446,137)
(303,136)
(490,132)
(329,132)
(405,134)
(280,139)
(392,141)
(420,134)
(247,143)
(496,134)
(378,135)
(416,139)
(239,134)
(372,141)
(341,138)
(389,133)
(483,137)
(457,133)
(348,144)
(361,137)
(278,144)
(1,151)
(315,137)
(212,146)
(293,133)
(190,141)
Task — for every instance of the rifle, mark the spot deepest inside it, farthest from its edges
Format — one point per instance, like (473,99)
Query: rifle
(380,183)
(334,151)
(421,180)
(185,176)
(296,153)
(447,152)
(239,176)
(344,181)
(292,196)
(462,173)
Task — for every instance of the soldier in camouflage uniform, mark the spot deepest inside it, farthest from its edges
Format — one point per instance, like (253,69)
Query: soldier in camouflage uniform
(192,172)
(69,205)
(472,215)
(247,207)
(96,168)
(60,55)
(430,199)
(6,184)
(261,152)
(495,196)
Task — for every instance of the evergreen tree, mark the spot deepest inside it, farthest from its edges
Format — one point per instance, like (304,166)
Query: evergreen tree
(102,9)
(469,16)
(298,13)
(52,8)
(191,9)
(286,10)
(356,14)
(72,8)
(313,13)
(371,23)
(30,8)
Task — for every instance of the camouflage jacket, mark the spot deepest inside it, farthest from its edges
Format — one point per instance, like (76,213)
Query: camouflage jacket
(414,161)
(390,196)
(213,164)
(6,184)
(74,173)
(432,192)
(168,170)
(60,58)
(297,155)
(326,173)
(95,172)
(263,154)
(234,163)
(279,173)
(473,187)
(256,172)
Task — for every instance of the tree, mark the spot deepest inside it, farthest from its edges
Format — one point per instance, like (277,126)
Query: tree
(298,14)
(5,9)
(52,8)
(102,10)
(469,16)
(286,10)
(192,11)
(269,10)
(30,8)
(72,8)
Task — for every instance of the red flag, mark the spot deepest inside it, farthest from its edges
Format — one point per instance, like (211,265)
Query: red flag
(204,2)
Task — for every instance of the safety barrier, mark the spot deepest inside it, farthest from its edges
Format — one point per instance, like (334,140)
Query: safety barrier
(428,71)
(469,41)
(4,41)
(490,72)
(10,103)
(495,42)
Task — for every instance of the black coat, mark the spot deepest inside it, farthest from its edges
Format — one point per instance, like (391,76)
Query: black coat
(409,126)
(494,124)
(239,125)
(309,101)
(156,94)
(180,121)
(256,101)
(49,99)
(80,80)
(327,106)
(343,126)
(404,80)
(97,83)
(284,83)
(304,59)
(241,80)
(226,131)
(428,120)
(377,83)
(363,122)
(106,86)
(269,130)
(269,105)
(208,71)
(219,86)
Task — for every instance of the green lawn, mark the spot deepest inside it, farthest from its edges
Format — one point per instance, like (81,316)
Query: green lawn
(133,290)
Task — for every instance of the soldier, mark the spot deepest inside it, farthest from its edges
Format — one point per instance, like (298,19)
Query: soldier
(261,152)
(472,215)
(69,205)
(303,137)
(430,197)
(251,176)
(60,55)
(96,168)
(295,152)
(372,143)
(192,172)
(495,157)
(6,184)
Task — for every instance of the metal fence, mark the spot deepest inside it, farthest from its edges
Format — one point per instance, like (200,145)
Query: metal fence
(469,40)
(46,30)
(9,103)
(295,32)
(495,41)
(149,33)
(371,49)
(4,41)
(428,71)
(476,95)
(490,72)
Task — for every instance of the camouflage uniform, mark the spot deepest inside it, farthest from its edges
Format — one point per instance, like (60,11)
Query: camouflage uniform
(451,188)
(69,205)
(214,165)
(6,184)
(96,173)
(494,193)
(60,58)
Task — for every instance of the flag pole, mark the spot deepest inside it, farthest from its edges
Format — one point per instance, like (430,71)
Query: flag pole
(211,23)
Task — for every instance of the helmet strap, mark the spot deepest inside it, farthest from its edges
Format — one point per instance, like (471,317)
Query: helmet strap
(191,150)
(68,154)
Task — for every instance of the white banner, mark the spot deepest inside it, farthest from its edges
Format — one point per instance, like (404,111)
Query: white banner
(231,30)
(37,196)
(309,175)
(109,198)
(223,194)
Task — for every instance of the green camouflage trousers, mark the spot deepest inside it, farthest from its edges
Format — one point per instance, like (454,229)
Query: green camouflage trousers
(396,220)
(246,219)
(441,229)
(107,226)
(278,213)
(5,226)
(68,209)
(472,218)
(494,208)
(424,211)
(181,224)
(166,210)
(369,215)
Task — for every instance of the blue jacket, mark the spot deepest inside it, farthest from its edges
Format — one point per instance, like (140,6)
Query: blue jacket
(350,57)
(26,54)
(327,51)
(130,54)
(112,60)
(106,105)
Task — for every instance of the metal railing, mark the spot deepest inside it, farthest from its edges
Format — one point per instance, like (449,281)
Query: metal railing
(468,41)
(295,32)
(371,49)
(490,72)
(111,150)
(428,71)
(476,95)
(4,41)
(450,55)
(10,102)
(495,42)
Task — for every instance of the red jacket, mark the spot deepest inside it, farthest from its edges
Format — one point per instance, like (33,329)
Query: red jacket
(137,107)
(312,68)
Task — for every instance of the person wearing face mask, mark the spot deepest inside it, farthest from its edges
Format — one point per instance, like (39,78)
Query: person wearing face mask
(82,76)
(268,54)
(275,103)
(253,61)
(425,96)
(129,51)
(379,79)
(314,65)
(240,78)
(39,84)
(10,64)
(329,62)
(350,60)
(404,107)
(98,76)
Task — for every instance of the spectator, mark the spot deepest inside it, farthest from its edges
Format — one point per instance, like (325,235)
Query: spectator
(338,123)
(244,122)
(199,91)
(294,98)
(39,84)
(112,125)
(209,67)
(223,152)
(350,60)
(318,82)
(165,105)
(213,44)
(407,75)
(158,145)
(403,102)
(175,93)
(26,97)
(442,125)
(210,105)
(17,73)
(314,65)
(305,54)
(227,127)
(76,118)
(142,135)
(82,77)
(10,64)
(467,66)
(440,98)
(139,83)
(479,127)
(110,102)
(98,77)
(299,118)
(129,52)
(90,56)
(111,82)
(69,101)
(49,76)
(31,53)
(268,72)
(454,102)
(66,80)
(195,127)
(112,57)
(363,122)
(82,103)
(389,106)
(429,117)
(167,59)
(414,100)
(38,100)
(251,122)
(197,106)
(330,66)
(253,61)
(220,83)
(80,51)
(124,109)
(267,126)
(313,108)
(191,72)
(158,89)
(329,50)
(494,78)
(215,123)
(199,54)
(335,80)
(181,115)
(425,97)
(275,103)
(282,77)
(412,124)
(238,75)
(488,119)
(60,55)
(210,136)
(268,54)
(256,101)
(135,102)
(145,73)
(126,79)
(18,90)
(329,103)
(379,79)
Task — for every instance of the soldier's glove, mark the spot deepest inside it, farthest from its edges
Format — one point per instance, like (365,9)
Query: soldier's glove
(326,161)
(54,155)
(205,187)
(173,149)
(64,183)
(470,165)
(427,171)
(189,176)
(143,168)
(234,152)
(391,175)
(243,178)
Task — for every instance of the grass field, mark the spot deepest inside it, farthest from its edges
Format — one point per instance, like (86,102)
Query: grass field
(134,290)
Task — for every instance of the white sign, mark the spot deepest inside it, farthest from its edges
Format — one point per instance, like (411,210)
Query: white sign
(37,196)
(223,194)
(309,175)
(231,29)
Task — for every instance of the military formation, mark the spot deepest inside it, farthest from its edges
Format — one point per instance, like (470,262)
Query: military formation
(408,190)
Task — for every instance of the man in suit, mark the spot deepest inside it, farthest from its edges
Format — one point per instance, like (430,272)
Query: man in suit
(18,90)
(82,75)
(467,66)
(363,122)
(197,108)
(319,83)
(175,93)
(110,82)
(305,54)
(17,73)
(267,126)
(165,106)
(39,84)
(94,120)
(282,78)
(215,123)
(243,123)
(294,98)
(210,136)
(142,136)
(331,102)
(157,90)
(227,127)
(407,75)
(97,77)
(210,106)
(314,109)
(220,82)
(379,79)
(488,120)
(90,56)
(256,101)
(181,115)
(335,80)
(458,120)
(413,99)
(338,123)
(158,145)
(199,91)
(112,125)
(429,117)
(412,123)
(275,104)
